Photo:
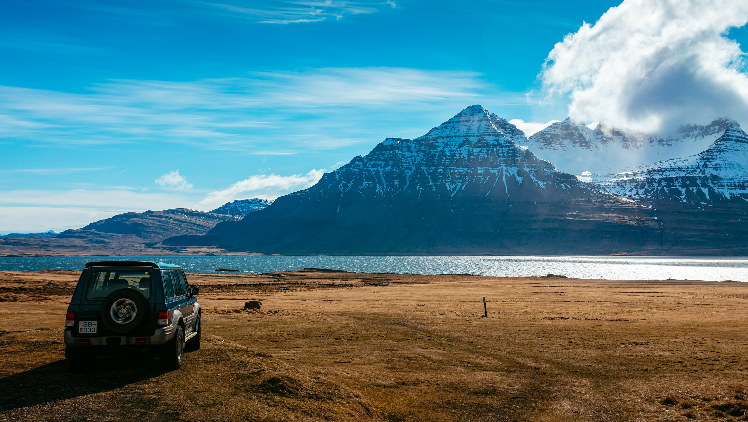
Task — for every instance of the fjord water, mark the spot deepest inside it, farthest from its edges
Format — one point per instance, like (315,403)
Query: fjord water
(588,267)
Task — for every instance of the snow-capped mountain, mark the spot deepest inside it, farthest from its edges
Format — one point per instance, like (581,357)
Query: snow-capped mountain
(473,153)
(597,154)
(718,174)
(242,207)
(464,187)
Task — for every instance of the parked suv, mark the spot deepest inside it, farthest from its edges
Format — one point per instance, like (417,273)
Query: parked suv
(132,306)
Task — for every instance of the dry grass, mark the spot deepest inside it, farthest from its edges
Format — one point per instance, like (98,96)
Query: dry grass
(340,346)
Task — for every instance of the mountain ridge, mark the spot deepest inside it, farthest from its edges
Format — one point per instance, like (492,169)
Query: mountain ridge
(717,174)
(603,151)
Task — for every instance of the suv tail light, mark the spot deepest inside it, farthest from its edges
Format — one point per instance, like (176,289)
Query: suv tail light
(70,319)
(163,319)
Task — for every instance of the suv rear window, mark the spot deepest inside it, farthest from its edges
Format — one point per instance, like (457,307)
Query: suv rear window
(102,283)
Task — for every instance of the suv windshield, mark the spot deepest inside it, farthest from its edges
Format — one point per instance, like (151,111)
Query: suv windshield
(102,283)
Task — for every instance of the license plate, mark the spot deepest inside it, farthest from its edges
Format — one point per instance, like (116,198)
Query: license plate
(87,327)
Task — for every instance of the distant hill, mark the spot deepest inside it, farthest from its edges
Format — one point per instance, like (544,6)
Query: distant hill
(48,234)
(150,226)
(129,233)
(242,207)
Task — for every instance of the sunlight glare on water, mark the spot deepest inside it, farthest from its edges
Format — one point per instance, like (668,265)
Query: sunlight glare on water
(589,267)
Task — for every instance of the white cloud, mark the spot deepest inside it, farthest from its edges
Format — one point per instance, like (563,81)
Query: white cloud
(531,128)
(261,186)
(174,180)
(652,65)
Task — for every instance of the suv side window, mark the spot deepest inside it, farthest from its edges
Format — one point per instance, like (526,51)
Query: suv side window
(168,285)
(179,287)
(181,276)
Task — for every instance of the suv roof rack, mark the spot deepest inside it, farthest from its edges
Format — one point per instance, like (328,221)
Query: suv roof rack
(121,264)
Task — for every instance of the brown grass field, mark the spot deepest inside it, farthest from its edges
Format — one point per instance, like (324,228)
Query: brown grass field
(383,347)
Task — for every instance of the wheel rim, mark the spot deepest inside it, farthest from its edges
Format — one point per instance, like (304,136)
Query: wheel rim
(123,311)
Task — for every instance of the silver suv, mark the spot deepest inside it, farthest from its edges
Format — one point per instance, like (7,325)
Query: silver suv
(134,307)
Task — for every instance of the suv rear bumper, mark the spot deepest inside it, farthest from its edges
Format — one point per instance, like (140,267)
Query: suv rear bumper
(161,336)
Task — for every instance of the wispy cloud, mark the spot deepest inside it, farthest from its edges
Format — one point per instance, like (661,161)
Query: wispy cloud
(260,112)
(259,11)
(261,186)
(54,171)
(305,11)
(107,199)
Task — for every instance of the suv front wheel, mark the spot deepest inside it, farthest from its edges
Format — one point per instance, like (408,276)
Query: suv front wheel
(174,352)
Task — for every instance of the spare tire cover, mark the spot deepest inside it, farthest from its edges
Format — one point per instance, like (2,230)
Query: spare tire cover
(124,310)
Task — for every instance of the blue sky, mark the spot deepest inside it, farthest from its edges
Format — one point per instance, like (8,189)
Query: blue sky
(114,106)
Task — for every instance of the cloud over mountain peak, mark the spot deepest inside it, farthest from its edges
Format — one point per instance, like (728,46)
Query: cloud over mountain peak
(652,65)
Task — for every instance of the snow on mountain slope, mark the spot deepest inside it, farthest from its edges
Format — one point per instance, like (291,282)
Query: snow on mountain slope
(474,153)
(719,173)
(576,149)
(242,207)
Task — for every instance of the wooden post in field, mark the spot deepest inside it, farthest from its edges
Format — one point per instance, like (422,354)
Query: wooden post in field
(485,309)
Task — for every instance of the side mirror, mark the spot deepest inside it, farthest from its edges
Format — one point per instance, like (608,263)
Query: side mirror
(194,290)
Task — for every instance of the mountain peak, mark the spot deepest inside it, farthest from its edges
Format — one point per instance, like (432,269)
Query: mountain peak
(473,110)
(476,122)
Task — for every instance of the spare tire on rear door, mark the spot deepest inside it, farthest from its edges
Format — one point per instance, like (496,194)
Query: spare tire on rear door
(124,310)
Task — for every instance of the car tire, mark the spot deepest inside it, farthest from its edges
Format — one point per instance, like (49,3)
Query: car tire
(174,352)
(194,342)
(124,310)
